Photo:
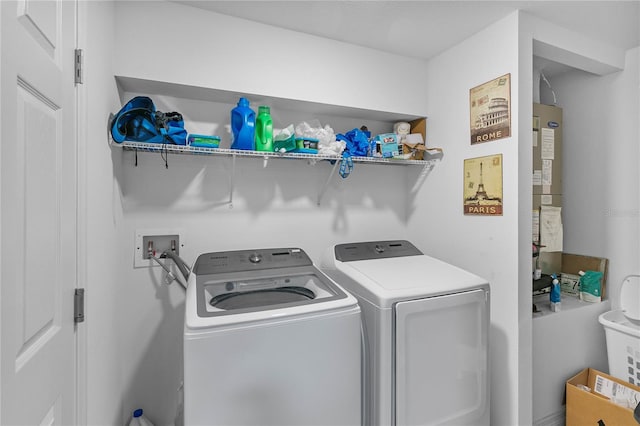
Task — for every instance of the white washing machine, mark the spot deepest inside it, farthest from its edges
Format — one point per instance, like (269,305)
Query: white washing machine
(269,340)
(426,326)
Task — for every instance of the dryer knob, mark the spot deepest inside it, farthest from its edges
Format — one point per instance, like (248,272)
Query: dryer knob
(255,258)
(379,248)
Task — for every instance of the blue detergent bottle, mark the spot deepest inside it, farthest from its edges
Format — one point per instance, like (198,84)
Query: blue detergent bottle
(243,125)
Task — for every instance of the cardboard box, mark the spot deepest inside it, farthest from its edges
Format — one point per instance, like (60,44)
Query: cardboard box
(413,146)
(592,407)
(420,126)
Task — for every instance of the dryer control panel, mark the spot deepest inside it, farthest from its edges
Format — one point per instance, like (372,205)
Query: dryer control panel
(375,250)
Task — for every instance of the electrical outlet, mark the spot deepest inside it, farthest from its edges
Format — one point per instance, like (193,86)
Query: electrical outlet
(156,241)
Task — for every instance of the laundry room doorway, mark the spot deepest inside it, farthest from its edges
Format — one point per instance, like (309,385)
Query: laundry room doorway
(39,214)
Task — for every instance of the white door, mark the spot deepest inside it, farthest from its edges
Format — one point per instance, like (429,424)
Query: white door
(38,220)
(441,360)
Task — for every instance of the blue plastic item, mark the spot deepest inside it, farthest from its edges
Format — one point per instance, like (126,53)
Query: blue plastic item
(305,150)
(243,126)
(555,290)
(554,296)
(203,141)
(346,165)
(357,142)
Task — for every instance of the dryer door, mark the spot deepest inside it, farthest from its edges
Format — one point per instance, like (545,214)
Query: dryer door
(441,362)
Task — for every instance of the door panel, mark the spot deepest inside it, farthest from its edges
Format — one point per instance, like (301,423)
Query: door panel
(39,310)
(40,19)
(39,212)
(441,359)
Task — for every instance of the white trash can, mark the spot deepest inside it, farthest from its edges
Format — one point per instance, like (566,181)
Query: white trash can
(622,333)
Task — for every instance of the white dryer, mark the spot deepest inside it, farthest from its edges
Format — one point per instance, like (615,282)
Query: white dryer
(426,326)
(269,340)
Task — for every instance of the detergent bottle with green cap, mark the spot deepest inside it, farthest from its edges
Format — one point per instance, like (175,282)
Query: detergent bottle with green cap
(264,129)
(243,122)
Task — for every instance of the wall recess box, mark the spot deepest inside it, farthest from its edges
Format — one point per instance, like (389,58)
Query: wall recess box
(160,239)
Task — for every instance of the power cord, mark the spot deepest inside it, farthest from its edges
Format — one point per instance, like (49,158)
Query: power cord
(550,88)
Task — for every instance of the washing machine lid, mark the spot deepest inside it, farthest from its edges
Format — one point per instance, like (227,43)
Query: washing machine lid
(385,272)
(256,284)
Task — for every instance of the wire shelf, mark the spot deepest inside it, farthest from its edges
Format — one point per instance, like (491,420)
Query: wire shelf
(191,150)
(433,156)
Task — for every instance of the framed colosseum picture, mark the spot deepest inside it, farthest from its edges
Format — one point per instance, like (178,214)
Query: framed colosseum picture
(490,106)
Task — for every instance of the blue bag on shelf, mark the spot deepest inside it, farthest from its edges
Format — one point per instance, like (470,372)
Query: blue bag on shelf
(357,142)
(138,121)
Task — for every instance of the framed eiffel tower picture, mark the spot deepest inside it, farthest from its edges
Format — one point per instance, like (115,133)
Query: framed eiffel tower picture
(483,186)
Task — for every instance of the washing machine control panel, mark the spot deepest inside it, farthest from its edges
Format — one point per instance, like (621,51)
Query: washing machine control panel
(250,281)
(250,260)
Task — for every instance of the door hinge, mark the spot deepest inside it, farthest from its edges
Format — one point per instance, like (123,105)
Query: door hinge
(77,66)
(78,305)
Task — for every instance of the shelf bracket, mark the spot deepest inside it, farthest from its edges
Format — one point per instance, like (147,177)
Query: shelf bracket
(426,170)
(231,179)
(326,184)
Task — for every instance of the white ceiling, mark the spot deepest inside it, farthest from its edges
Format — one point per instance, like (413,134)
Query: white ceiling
(425,28)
